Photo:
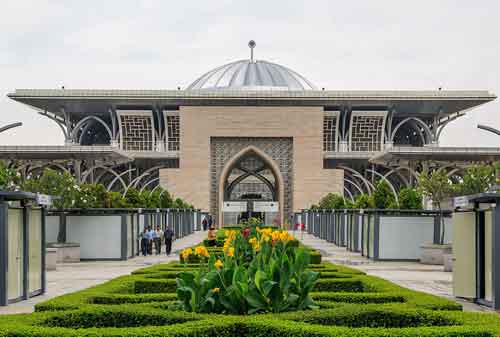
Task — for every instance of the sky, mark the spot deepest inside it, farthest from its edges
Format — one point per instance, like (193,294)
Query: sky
(338,45)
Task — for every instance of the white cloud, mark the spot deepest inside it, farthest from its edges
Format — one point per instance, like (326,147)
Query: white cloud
(162,44)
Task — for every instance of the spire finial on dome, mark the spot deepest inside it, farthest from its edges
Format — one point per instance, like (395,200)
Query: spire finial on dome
(252,45)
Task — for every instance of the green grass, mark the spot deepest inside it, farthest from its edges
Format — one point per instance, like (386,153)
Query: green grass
(351,304)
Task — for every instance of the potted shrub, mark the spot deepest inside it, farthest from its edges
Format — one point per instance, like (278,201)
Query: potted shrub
(436,187)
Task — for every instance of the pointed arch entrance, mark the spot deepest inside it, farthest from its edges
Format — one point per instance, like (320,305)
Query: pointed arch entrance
(252,179)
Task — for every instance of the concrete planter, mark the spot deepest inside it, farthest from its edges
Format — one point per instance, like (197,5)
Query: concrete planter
(433,253)
(67,252)
(448,262)
(50,258)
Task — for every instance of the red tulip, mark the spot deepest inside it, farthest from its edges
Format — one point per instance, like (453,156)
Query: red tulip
(246,232)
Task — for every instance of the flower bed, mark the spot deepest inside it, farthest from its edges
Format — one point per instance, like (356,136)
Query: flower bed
(350,303)
(116,309)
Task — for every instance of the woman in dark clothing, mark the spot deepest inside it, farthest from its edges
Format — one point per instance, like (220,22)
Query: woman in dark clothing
(144,242)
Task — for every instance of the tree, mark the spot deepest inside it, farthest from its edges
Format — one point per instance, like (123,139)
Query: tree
(383,196)
(410,198)
(91,196)
(477,179)
(436,187)
(9,178)
(58,184)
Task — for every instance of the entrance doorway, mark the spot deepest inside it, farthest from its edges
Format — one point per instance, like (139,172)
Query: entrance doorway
(251,189)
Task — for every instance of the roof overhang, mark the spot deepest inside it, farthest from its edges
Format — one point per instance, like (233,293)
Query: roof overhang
(412,103)
(105,154)
(396,155)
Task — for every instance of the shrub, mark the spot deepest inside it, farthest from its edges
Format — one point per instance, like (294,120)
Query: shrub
(364,201)
(154,286)
(339,285)
(383,196)
(410,198)
(332,201)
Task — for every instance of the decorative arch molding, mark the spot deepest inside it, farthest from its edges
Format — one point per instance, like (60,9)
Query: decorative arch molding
(368,184)
(248,173)
(388,182)
(149,183)
(109,170)
(399,169)
(348,192)
(145,174)
(349,181)
(61,167)
(425,127)
(251,150)
(60,123)
(76,128)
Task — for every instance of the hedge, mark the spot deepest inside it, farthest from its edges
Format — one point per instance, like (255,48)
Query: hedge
(351,304)
(326,322)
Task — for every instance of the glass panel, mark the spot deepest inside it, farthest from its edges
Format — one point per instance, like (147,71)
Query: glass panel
(15,251)
(35,249)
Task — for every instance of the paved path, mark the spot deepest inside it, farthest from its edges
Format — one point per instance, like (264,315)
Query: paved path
(413,275)
(71,277)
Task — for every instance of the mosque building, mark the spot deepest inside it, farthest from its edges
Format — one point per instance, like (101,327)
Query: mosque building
(249,138)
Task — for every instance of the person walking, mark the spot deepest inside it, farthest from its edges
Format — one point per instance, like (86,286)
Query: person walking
(210,221)
(150,241)
(159,239)
(168,236)
(204,224)
(144,242)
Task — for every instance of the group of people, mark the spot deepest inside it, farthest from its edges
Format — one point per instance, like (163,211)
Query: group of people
(207,222)
(151,237)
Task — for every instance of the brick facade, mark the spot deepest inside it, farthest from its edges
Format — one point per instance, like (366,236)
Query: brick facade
(303,126)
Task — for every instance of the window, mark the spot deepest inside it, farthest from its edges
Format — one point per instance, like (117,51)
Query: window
(172,123)
(367,131)
(136,131)
(330,121)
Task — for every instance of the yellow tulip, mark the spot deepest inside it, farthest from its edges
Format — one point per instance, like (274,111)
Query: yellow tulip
(201,251)
(275,236)
(230,252)
(215,290)
(218,264)
(185,253)
(284,236)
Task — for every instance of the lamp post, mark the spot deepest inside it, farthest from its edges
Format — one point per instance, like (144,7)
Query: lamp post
(497,132)
(10,126)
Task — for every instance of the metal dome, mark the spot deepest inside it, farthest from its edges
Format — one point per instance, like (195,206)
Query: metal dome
(252,75)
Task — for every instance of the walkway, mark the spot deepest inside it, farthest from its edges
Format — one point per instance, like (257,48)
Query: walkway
(71,277)
(413,275)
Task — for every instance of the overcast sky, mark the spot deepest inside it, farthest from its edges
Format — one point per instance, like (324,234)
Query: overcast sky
(339,45)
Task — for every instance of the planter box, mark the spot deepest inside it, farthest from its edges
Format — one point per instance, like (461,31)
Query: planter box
(448,262)
(112,234)
(433,254)
(51,258)
(66,252)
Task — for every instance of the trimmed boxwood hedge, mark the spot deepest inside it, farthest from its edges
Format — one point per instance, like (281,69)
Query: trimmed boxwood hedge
(351,304)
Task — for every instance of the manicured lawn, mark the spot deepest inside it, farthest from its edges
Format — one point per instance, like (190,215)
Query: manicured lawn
(351,304)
